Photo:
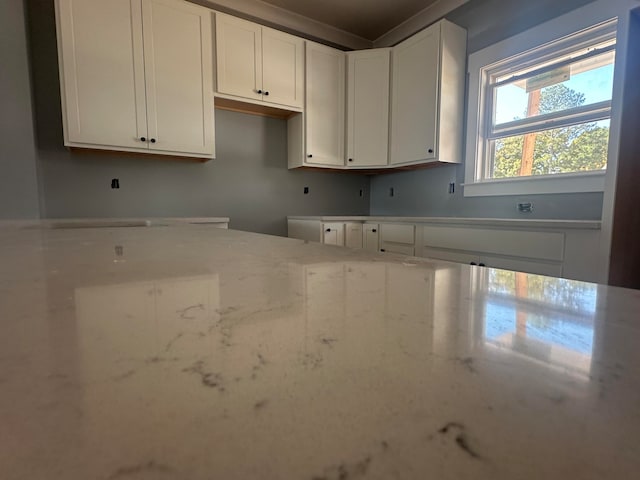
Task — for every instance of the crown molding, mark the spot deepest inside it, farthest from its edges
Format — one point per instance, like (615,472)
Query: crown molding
(273,16)
(420,20)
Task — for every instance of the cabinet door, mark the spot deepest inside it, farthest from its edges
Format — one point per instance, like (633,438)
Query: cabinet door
(528,266)
(102,72)
(399,248)
(239,57)
(333,234)
(414,105)
(398,233)
(368,108)
(282,68)
(179,76)
(353,235)
(325,105)
(370,237)
(451,256)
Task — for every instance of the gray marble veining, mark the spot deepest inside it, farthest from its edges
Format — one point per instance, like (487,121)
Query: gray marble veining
(190,352)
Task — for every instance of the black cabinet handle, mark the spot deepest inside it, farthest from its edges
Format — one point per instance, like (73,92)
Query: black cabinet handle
(328,230)
(309,156)
(473,263)
(143,139)
(351,159)
(266,93)
(259,92)
(430,150)
(374,230)
(153,140)
(481,265)
(382,250)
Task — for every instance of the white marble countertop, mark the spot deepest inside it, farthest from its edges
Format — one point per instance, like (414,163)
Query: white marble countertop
(111,222)
(499,222)
(193,353)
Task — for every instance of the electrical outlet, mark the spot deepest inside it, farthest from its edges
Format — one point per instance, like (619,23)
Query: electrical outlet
(115,183)
(392,192)
(525,207)
(452,187)
(306,190)
(361,192)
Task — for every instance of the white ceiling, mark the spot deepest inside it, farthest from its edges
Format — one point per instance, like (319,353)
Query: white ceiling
(368,19)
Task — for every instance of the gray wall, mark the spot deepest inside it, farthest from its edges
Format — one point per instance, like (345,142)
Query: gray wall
(490,21)
(248,181)
(425,192)
(18,178)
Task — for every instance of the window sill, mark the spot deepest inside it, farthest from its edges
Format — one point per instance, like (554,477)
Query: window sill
(565,183)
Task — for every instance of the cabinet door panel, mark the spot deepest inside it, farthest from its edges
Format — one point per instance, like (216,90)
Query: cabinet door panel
(353,235)
(370,237)
(527,266)
(414,97)
(325,105)
(282,68)
(399,248)
(239,57)
(102,70)
(451,256)
(333,234)
(397,233)
(179,76)
(368,108)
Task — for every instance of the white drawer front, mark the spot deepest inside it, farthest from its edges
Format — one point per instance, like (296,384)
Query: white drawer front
(550,269)
(400,248)
(460,257)
(515,243)
(397,233)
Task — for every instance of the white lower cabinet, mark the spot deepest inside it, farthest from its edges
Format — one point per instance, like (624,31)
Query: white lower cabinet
(370,237)
(538,252)
(566,252)
(450,256)
(397,238)
(519,265)
(506,263)
(333,234)
(353,235)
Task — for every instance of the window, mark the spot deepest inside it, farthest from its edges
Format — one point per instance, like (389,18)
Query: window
(545,114)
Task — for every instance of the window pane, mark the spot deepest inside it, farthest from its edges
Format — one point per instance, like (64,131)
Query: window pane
(581,83)
(578,148)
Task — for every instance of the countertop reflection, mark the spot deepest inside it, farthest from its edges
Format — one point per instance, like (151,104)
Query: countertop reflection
(190,352)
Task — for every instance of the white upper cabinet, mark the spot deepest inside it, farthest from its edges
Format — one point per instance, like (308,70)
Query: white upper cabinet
(259,63)
(239,57)
(136,75)
(368,108)
(282,68)
(325,109)
(427,102)
(179,76)
(102,72)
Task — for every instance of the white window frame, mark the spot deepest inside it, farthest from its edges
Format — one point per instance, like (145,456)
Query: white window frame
(533,46)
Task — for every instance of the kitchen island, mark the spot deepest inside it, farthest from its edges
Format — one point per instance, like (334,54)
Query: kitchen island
(190,352)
